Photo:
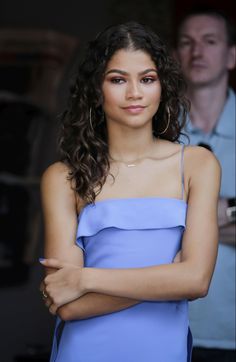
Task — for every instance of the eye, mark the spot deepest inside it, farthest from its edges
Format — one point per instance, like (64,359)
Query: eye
(211,41)
(117,80)
(184,43)
(147,80)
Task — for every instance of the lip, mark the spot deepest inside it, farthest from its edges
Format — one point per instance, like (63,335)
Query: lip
(134,109)
(198,65)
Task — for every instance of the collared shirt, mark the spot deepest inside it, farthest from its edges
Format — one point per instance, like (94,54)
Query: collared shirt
(212,319)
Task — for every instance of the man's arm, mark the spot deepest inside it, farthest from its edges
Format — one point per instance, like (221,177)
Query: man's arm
(226,226)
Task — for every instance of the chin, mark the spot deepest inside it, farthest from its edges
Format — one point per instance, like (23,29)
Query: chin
(198,78)
(199,82)
(136,123)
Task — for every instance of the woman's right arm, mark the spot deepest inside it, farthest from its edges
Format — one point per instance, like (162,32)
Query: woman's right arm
(60,223)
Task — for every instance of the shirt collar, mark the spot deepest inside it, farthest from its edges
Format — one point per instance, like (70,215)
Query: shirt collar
(226,124)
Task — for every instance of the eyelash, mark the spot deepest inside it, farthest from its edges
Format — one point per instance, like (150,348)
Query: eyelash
(211,41)
(145,80)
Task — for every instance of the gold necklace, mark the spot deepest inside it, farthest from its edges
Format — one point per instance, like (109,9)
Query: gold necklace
(131,163)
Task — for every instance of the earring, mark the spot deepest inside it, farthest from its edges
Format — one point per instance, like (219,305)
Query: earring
(90,119)
(168,122)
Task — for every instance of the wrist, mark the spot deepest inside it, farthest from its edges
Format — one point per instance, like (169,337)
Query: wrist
(88,280)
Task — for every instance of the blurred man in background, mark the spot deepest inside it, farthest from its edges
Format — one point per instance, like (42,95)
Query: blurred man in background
(206,51)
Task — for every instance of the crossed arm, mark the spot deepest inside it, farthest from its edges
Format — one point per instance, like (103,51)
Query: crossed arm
(60,223)
(76,292)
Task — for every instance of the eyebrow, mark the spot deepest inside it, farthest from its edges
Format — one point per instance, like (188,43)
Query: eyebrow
(204,35)
(122,72)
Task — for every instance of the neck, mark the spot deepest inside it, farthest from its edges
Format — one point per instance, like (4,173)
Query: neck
(207,104)
(127,145)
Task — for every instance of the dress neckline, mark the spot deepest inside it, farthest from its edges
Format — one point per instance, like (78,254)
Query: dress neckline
(146,198)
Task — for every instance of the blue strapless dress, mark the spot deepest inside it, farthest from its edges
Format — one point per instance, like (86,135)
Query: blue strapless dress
(129,233)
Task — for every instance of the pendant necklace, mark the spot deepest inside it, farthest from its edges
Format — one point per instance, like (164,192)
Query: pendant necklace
(131,163)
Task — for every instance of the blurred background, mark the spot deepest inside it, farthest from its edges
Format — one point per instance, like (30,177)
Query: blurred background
(40,44)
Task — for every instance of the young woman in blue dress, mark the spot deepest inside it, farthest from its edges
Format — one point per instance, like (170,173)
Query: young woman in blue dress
(130,214)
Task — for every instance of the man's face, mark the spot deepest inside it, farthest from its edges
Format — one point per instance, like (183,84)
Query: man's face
(203,50)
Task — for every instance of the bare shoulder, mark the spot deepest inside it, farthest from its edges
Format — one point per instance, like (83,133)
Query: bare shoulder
(57,170)
(200,158)
(201,163)
(55,178)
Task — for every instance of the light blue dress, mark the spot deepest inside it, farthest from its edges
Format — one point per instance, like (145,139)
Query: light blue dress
(129,233)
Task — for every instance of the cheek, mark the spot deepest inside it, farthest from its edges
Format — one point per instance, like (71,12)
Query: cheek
(217,60)
(111,96)
(183,55)
(111,105)
(109,101)
(155,94)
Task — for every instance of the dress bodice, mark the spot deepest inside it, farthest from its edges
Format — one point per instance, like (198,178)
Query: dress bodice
(133,232)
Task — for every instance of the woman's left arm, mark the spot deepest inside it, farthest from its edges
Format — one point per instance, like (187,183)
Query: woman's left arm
(188,279)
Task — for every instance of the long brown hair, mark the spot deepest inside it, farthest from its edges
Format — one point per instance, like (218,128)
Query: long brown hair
(83,137)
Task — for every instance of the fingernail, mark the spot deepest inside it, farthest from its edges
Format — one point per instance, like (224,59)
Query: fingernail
(41,259)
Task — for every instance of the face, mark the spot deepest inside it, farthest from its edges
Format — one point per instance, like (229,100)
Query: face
(131,89)
(203,51)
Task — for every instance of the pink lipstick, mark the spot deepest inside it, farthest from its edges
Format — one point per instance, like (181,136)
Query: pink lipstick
(134,109)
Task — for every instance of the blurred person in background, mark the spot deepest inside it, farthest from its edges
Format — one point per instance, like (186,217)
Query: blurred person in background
(206,51)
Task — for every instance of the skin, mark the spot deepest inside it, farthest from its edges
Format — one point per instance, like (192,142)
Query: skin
(206,59)
(75,292)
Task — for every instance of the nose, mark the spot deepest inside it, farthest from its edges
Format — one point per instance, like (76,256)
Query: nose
(133,90)
(196,49)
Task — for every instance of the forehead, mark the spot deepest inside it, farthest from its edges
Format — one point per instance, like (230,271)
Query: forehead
(128,58)
(204,25)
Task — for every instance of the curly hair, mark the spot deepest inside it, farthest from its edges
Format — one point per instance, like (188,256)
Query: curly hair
(83,140)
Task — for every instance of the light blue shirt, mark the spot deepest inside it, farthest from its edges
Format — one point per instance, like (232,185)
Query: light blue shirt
(212,319)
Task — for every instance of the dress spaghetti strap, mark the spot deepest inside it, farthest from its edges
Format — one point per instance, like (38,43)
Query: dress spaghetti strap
(182,172)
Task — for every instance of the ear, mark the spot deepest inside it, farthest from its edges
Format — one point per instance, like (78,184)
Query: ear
(231,63)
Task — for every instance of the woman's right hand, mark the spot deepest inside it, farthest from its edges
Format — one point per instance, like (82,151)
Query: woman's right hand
(63,286)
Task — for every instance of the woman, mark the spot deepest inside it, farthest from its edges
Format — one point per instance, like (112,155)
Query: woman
(130,216)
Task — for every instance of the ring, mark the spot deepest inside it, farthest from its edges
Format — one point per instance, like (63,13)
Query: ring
(44,294)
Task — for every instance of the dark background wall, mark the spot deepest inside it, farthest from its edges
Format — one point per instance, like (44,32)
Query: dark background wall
(83,18)
(75,17)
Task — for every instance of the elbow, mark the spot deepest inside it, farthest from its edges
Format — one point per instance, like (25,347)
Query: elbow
(205,288)
(201,287)
(202,291)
